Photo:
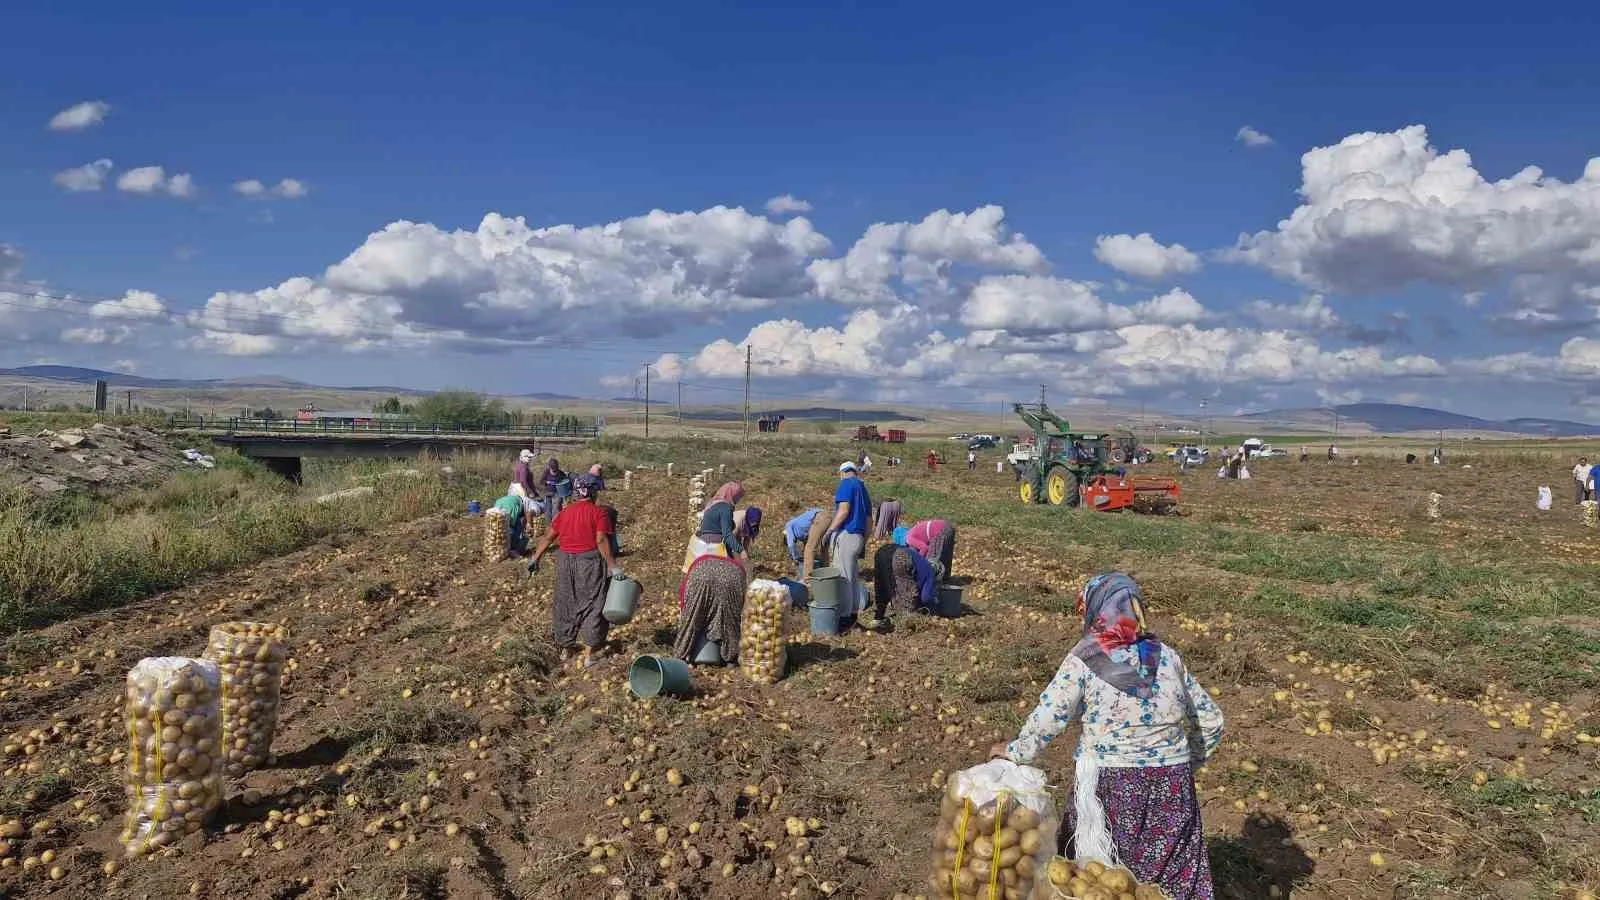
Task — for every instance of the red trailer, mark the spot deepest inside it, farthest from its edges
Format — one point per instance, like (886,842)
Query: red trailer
(896,436)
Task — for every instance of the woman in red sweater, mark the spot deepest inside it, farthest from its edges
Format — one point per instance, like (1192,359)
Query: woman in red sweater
(582,533)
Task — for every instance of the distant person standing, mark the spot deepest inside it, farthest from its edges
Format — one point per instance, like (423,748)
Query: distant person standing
(972,460)
(1583,488)
(1303,454)
(852,517)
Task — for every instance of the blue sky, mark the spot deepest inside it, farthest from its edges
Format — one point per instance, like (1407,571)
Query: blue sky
(1412,274)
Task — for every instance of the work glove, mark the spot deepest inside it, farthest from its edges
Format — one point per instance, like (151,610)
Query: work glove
(533,566)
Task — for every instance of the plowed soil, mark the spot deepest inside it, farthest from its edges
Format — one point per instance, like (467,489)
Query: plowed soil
(429,744)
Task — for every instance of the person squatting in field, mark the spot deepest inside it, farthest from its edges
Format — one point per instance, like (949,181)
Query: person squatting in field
(1147,724)
(515,511)
(710,604)
(935,539)
(718,530)
(804,535)
(581,533)
(903,581)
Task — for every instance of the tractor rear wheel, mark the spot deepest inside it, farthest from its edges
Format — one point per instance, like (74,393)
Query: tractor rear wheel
(1061,487)
(1118,456)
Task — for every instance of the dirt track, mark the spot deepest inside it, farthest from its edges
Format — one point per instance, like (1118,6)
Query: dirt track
(419,672)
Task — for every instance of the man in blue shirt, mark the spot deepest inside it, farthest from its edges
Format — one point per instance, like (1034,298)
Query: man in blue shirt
(797,535)
(852,517)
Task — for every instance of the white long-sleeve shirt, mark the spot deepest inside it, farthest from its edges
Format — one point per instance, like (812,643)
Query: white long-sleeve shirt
(1180,723)
(1580,473)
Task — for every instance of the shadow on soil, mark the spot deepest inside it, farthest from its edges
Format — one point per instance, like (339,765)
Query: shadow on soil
(1262,857)
(802,655)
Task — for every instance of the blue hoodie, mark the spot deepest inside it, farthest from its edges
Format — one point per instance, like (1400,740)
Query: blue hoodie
(796,530)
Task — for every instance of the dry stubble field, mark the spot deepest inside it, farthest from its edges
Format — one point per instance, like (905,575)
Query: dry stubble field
(1409,702)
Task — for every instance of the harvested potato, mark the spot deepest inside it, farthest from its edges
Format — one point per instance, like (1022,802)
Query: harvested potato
(174,778)
(496,535)
(982,832)
(763,652)
(249,657)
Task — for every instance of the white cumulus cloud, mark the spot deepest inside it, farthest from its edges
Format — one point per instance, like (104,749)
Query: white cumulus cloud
(1381,210)
(924,257)
(288,188)
(152,180)
(87,177)
(131,305)
(785,204)
(10,261)
(1253,137)
(1143,257)
(80,116)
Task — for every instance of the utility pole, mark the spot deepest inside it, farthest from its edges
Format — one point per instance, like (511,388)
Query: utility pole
(646,399)
(680,406)
(1041,397)
(747,356)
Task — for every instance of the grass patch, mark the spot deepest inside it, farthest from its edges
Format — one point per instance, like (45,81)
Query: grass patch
(382,728)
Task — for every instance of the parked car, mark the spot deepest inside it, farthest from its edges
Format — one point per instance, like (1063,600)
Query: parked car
(982,442)
(1192,456)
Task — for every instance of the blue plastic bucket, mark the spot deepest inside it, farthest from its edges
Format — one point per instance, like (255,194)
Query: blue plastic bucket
(474,508)
(564,488)
(655,676)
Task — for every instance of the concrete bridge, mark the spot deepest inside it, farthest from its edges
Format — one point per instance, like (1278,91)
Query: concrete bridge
(282,445)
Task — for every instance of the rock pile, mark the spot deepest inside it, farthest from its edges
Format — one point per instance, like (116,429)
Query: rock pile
(98,459)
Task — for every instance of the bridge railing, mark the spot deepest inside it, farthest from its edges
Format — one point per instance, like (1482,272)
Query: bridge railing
(237,425)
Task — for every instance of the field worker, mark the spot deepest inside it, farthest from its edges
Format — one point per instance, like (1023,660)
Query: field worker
(1146,726)
(717,534)
(711,601)
(522,484)
(864,463)
(550,481)
(936,540)
(511,506)
(886,520)
(852,516)
(933,461)
(1589,482)
(804,539)
(1580,475)
(582,533)
(903,581)
(747,526)
(599,473)
(972,460)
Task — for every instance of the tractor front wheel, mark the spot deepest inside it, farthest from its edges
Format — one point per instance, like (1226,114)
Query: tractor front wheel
(1026,490)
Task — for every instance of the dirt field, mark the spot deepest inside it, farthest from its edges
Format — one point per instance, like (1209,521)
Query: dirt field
(1410,702)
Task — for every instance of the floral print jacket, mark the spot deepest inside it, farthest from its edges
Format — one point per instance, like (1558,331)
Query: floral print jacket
(1180,723)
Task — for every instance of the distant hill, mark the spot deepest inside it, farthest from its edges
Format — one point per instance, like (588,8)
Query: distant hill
(807,413)
(77,375)
(1398,418)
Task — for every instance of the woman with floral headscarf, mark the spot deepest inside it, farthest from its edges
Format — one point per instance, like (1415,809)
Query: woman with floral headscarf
(1146,725)
(582,533)
(718,531)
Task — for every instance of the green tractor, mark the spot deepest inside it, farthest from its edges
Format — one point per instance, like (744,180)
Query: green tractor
(1062,461)
(1066,468)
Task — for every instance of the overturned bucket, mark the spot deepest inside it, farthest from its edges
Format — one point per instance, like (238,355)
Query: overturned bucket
(656,676)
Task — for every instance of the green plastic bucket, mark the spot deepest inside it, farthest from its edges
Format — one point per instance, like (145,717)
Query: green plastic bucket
(828,587)
(622,598)
(708,652)
(950,600)
(655,676)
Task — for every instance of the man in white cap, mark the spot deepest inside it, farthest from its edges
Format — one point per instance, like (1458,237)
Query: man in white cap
(852,517)
(522,486)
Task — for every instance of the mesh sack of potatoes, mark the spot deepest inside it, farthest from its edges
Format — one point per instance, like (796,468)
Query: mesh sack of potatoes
(496,535)
(1092,880)
(174,777)
(996,834)
(763,652)
(250,658)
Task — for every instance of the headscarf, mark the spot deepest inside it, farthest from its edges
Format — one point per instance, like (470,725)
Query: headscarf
(747,523)
(922,534)
(1113,618)
(730,493)
(597,470)
(584,487)
(525,456)
(553,467)
(899,536)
